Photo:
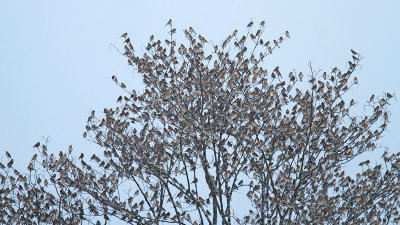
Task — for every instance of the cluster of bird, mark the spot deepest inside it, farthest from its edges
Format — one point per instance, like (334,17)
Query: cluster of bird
(223,106)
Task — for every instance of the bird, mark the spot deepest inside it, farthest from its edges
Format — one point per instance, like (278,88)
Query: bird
(372,98)
(124,35)
(234,33)
(36,145)
(301,76)
(287,34)
(364,163)
(9,164)
(354,52)
(250,24)
(202,39)
(70,149)
(169,22)
(383,102)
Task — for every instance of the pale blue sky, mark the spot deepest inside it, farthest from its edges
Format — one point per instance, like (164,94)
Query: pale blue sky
(56,58)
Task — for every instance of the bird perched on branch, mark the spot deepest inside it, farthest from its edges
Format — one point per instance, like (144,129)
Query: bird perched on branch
(36,145)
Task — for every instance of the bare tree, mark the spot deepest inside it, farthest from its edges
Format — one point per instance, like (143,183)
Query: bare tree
(215,138)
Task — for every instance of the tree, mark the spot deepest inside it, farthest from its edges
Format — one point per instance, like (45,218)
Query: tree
(215,138)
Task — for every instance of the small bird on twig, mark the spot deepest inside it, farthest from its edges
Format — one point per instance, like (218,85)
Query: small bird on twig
(36,145)
(169,22)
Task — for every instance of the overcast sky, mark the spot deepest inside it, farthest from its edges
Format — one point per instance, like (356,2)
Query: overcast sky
(56,58)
